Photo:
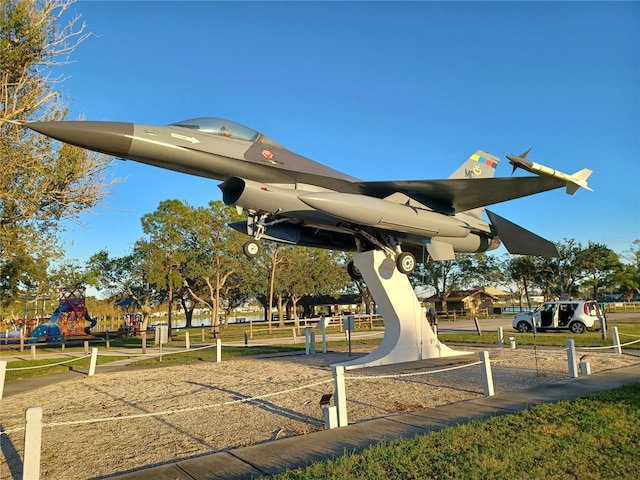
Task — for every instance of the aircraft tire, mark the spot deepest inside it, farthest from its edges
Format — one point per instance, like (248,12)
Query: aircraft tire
(353,271)
(251,249)
(406,263)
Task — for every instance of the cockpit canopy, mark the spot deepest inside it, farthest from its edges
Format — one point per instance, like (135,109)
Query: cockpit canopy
(220,126)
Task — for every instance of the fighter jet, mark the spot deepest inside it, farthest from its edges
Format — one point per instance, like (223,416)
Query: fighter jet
(294,200)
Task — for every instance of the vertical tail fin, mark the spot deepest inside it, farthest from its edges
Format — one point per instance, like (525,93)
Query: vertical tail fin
(479,165)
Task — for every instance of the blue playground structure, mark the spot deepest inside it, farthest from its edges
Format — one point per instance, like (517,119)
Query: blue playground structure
(68,320)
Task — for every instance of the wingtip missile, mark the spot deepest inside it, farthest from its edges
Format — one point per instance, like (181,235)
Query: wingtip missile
(573,182)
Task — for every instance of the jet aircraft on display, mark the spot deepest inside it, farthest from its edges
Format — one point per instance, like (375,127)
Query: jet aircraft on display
(294,200)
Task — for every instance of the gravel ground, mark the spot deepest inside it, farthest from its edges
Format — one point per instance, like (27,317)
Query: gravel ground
(152,416)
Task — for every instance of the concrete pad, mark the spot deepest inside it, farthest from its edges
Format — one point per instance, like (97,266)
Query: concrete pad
(162,472)
(509,403)
(219,465)
(455,413)
(289,453)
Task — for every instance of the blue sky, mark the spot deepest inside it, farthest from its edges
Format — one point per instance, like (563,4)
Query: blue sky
(379,90)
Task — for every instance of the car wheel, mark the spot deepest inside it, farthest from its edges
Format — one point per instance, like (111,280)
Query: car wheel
(251,249)
(406,263)
(577,327)
(523,327)
(353,271)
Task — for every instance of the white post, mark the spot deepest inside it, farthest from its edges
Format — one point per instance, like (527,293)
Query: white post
(32,443)
(94,359)
(86,347)
(33,352)
(313,343)
(330,415)
(585,368)
(3,371)
(324,339)
(616,340)
(340,394)
(295,339)
(307,341)
(218,350)
(487,376)
(571,358)
(187,341)
(500,337)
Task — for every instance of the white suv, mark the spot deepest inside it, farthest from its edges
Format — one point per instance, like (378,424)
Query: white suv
(574,315)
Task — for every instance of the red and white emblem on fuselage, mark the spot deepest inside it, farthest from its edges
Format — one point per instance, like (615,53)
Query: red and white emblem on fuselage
(267,154)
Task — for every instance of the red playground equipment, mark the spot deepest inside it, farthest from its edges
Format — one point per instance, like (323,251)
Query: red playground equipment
(68,320)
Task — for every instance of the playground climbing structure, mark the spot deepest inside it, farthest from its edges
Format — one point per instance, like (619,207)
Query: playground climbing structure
(68,320)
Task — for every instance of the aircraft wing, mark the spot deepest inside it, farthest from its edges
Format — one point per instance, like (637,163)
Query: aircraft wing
(460,195)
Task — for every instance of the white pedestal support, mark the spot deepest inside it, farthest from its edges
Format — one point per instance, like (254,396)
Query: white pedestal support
(407,334)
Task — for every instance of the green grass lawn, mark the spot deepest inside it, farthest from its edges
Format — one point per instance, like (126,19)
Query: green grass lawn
(592,437)
(29,372)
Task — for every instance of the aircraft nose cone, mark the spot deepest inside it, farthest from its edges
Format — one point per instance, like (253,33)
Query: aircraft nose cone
(112,138)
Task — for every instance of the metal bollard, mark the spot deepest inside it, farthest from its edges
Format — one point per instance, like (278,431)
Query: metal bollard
(187,341)
(512,342)
(218,350)
(500,337)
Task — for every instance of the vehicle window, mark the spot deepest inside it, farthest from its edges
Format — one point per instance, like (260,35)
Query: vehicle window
(591,308)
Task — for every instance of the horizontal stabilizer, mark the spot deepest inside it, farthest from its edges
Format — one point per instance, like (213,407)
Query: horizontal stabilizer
(518,240)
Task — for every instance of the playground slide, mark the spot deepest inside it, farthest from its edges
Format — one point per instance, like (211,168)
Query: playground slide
(49,329)
(93,321)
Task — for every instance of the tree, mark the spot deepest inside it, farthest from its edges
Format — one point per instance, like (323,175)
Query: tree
(487,269)
(213,254)
(271,260)
(127,277)
(165,247)
(446,276)
(523,270)
(561,276)
(39,184)
(600,265)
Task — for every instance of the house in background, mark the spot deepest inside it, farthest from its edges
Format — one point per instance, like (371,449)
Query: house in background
(483,299)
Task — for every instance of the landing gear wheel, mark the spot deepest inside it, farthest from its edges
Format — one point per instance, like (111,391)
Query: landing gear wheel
(406,263)
(353,271)
(251,249)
